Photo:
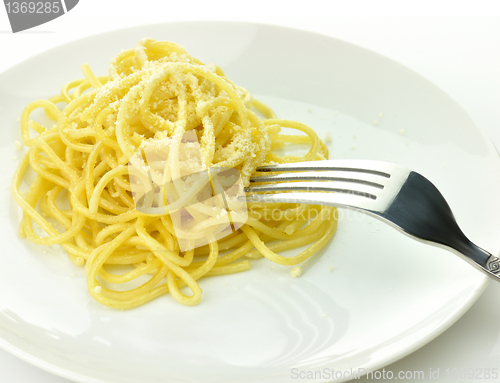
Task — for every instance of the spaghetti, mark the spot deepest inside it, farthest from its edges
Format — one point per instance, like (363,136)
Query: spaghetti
(153,91)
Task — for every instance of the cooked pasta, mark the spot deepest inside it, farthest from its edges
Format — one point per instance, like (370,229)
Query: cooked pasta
(155,91)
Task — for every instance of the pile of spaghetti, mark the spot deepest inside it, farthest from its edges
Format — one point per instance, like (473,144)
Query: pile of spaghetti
(156,89)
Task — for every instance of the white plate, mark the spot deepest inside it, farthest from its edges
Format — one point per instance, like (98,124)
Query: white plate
(387,296)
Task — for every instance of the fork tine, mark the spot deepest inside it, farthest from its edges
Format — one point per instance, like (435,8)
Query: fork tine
(362,166)
(352,201)
(315,186)
(368,179)
(362,184)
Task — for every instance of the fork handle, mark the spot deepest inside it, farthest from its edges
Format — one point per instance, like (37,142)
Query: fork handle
(493,265)
(420,210)
(480,258)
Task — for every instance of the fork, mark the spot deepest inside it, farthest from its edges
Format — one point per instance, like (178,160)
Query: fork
(395,194)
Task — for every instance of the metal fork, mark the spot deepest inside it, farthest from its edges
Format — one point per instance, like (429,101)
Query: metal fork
(390,192)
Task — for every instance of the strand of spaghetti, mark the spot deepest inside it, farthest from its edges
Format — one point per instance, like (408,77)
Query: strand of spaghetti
(26,230)
(131,275)
(263,108)
(132,97)
(25,119)
(321,237)
(89,170)
(97,124)
(210,262)
(122,195)
(160,250)
(173,285)
(205,268)
(98,257)
(230,269)
(278,234)
(170,240)
(186,278)
(67,87)
(91,78)
(76,203)
(64,122)
(86,85)
(58,163)
(111,90)
(303,128)
(264,141)
(231,257)
(127,259)
(29,211)
(120,299)
(128,55)
(95,199)
(107,202)
(75,253)
(288,261)
(136,297)
(112,163)
(227,243)
(44,173)
(287,245)
(108,231)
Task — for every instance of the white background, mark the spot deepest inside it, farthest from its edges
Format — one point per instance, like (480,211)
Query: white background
(456,46)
